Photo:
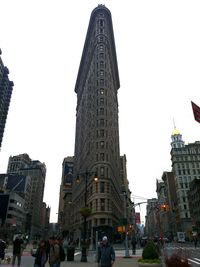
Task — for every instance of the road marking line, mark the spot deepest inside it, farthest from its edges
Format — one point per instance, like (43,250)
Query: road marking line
(196,262)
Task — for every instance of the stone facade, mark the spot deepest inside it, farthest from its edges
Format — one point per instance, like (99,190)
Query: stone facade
(97,130)
(6,87)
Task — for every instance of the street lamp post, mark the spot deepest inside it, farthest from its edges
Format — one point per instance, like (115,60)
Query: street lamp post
(127,255)
(85,175)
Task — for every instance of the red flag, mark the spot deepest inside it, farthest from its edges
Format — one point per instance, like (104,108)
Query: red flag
(196,111)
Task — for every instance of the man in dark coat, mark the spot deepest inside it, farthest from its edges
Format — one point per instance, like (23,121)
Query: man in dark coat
(2,250)
(133,244)
(106,254)
(17,250)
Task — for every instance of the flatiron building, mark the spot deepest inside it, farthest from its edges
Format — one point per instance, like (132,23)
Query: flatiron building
(97,132)
(6,87)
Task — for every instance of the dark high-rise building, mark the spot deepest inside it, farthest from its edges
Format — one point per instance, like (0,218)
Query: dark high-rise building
(6,87)
(97,130)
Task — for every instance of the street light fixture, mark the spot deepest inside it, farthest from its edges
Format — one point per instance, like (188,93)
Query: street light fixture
(85,176)
(127,255)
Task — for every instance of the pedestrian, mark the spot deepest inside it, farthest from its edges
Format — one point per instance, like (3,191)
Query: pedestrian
(133,244)
(54,253)
(106,254)
(2,249)
(41,254)
(59,242)
(17,250)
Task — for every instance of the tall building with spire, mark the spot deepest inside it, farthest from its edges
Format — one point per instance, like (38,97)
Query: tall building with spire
(185,167)
(97,131)
(6,87)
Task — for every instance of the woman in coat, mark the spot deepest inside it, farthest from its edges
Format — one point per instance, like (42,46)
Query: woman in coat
(41,254)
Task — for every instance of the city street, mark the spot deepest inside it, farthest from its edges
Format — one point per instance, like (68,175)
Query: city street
(28,260)
(185,250)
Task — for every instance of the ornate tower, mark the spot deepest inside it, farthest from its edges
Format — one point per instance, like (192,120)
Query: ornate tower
(176,137)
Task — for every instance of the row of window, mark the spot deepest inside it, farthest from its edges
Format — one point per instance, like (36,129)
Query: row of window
(187,158)
(188,165)
(101,204)
(188,171)
(102,187)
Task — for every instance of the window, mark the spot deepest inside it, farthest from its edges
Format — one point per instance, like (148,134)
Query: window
(108,188)
(102,91)
(101,111)
(102,204)
(108,204)
(96,204)
(101,82)
(102,144)
(102,171)
(102,187)
(101,64)
(96,189)
(101,22)
(102,221)
(101,122)
(101,48)
(101,101)
(102,133)
(102,156)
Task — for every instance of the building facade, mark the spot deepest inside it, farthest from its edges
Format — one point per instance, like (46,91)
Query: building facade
(19,184)
(97,131)
(12,214)
(65,211)
(23,165)
(171,204)
(152,223)
(186,167)
(163,206)
(194,204)
(6,88)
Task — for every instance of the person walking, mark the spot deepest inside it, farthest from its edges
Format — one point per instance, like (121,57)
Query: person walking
(17,250)
(54,253)
(106,254)
(2,249)
(41,254)
(133,244)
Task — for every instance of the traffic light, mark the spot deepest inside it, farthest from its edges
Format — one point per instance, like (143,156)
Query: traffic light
(164,207)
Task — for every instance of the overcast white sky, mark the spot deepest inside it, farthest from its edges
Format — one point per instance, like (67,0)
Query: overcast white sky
(158,51)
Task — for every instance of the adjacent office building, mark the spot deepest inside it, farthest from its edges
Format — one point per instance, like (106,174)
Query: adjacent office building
(6,87)
(23,165)
(12,214)
(97,130)
(65,210)
(20,184)
(185,167)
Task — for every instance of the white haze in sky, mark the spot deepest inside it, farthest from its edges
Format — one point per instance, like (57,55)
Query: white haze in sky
(158,51)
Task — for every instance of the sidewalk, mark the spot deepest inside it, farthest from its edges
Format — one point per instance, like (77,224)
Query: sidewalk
(120,262)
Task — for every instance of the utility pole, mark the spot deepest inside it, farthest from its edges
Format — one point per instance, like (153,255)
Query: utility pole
(127,255)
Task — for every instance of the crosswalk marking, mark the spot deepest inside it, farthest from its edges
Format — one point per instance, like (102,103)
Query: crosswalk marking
(194,261)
